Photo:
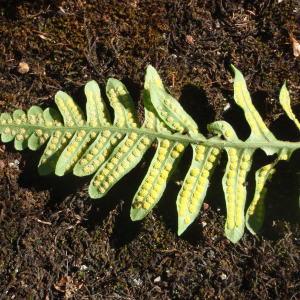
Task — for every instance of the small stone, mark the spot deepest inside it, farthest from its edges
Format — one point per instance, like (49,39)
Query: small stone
(157,279)
(14,164)
(190,40)
(205,206)
(203,224)
(226,107)
(2,164)
(296,46)
(23,68)
(137,281)
(83,268)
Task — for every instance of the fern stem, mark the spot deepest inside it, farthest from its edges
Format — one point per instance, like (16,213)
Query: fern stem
(214,142)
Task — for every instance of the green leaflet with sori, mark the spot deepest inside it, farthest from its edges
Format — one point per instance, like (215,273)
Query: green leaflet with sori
(108,148)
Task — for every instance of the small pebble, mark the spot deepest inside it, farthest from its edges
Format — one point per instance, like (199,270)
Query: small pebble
(14,164)
(83,268)
(23,68)
(226,107)
(190,40)
(296,46)
(2,164)
(205,206)
(137,281)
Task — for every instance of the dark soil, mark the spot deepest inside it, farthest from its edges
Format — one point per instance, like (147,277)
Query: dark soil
(55,241)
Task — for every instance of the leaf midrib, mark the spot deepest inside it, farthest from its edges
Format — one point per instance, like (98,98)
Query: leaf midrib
(215,142)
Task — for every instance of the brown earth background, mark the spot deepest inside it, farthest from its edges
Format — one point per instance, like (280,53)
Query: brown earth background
(56,243)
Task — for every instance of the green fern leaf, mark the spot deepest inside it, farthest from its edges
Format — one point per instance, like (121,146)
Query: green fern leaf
(237,168)
(93,144)
(285,101)
(259,131)
(150,191)
(196,182)
(256,211)
(168,108)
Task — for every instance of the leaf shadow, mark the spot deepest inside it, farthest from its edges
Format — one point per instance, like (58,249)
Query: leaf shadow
(59,187)
(282,200)
(124,230)
(235,116)
(285,129)
(195,102)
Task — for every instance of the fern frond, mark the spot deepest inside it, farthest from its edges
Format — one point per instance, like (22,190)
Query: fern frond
(196,182)
(285,101)
(94,145)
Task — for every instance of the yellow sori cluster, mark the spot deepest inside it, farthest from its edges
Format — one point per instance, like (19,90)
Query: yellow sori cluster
(33,119)
(96,112)
(284,156)
(126,154)
(21,119)
(38,118)
(21,135)
(98,152)
(70,112)
(157,82)
(42,136)
(228,133)
(57,141)
(196,181)
(10,131)
(256,206)
(77,146)
(157,175)
(55,123)
(131,119)
(5,119)
(200,153)
(170,113)
(121,112)
(150,120)
(173,123)
(235,189)
(171,104)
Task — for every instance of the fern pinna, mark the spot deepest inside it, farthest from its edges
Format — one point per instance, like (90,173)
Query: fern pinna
(108,149)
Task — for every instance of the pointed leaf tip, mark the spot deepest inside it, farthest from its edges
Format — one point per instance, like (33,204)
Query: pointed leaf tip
(92,84)
(237,73)
(150,68)
(232,67)
(152,77)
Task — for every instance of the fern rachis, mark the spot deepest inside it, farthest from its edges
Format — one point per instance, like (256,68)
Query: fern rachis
(109,150)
